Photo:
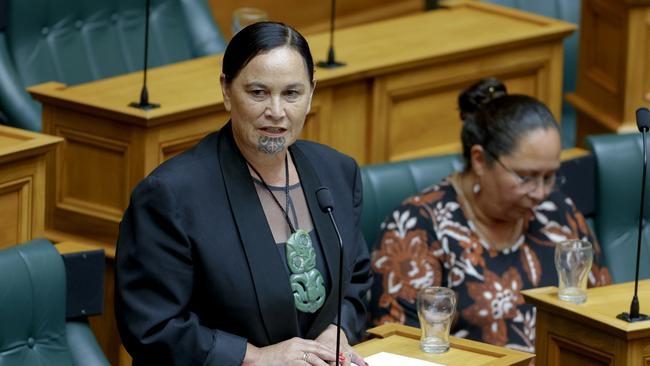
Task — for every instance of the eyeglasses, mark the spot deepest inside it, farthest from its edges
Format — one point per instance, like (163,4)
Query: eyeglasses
(530,183)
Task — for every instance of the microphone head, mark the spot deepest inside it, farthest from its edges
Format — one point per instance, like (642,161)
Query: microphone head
(325,200)
(643,119)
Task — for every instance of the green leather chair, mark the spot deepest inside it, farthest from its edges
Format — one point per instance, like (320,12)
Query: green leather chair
(33,326)
(76,41)
(619,164)
(386,185)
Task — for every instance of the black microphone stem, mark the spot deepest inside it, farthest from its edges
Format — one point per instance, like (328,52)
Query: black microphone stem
(144,93)
(331,62)
(634,307)
(144,96)
(330,54)
(338,320)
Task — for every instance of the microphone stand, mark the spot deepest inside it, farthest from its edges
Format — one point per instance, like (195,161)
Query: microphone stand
(326,203)
(338,311)
(144,94)
(643,120)
(331,62)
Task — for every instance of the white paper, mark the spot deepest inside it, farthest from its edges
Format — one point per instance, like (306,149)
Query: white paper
(391,359)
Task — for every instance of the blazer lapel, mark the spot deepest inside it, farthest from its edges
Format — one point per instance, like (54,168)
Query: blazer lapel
(270,279)
(310,183)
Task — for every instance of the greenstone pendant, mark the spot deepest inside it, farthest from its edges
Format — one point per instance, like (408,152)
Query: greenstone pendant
(306,281)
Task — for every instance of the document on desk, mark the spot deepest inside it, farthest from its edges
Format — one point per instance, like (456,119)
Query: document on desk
(391,359)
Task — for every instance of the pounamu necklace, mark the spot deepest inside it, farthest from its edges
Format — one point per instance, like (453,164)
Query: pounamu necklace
(305,280)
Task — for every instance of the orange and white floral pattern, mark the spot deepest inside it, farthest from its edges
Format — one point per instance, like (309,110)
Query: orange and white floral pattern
(428,241)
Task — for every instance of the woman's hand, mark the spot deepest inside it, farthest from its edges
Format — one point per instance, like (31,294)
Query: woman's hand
(294,352)
(328,337)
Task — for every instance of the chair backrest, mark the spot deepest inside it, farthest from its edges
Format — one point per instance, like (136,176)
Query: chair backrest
(32,306)
(75,41)
(386,185)
(619,164)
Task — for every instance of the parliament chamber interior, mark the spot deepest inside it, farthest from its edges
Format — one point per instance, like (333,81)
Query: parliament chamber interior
(73,149)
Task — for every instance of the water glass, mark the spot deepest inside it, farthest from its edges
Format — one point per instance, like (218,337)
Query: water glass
(436,306)
(243,17)
(573,259)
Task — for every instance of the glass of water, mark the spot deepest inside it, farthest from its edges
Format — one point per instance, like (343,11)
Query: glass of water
(436,306)
(573,259)
(243,17)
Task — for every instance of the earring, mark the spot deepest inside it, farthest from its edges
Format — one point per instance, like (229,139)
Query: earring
(476,188)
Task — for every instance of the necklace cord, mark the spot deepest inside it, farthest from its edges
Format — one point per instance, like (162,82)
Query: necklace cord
(286,190)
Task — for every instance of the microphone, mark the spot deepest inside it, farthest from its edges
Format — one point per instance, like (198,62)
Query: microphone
(331,62)
(144,94)
(326,203)
(643,123)
(643,119)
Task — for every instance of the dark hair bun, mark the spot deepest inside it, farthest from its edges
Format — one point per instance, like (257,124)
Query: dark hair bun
(480,94)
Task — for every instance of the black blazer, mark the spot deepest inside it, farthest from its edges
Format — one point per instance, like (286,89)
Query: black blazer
(197,271)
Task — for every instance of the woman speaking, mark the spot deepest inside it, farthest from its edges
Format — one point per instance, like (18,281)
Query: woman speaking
(224,256)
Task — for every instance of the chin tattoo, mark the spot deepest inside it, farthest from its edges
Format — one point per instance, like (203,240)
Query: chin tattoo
(270,145)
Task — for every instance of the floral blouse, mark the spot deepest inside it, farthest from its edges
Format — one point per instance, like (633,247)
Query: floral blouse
(428,241)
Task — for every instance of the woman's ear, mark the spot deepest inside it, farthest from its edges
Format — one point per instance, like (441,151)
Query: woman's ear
(225,91)
(311,94)
(477,157)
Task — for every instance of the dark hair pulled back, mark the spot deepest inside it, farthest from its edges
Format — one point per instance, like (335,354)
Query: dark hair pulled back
(262,37)
(496,120)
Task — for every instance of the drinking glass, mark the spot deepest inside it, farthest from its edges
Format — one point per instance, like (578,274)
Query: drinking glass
(573,260)
(436,306)
(243,17)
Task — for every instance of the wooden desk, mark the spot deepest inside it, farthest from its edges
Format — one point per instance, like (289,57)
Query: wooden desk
(613,79)
(22,184)
(405,341)
(314,16)
(589,333)
(395,99)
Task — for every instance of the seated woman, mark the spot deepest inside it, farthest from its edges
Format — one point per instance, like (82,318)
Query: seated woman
(490,231)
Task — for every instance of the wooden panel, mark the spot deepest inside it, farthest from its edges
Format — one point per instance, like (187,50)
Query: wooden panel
(590,333)
(613,78)
(416,111)
(350,123)
(172,139)
(15,211)
(605,59)
(563,351)
(316,125)
(93,175)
